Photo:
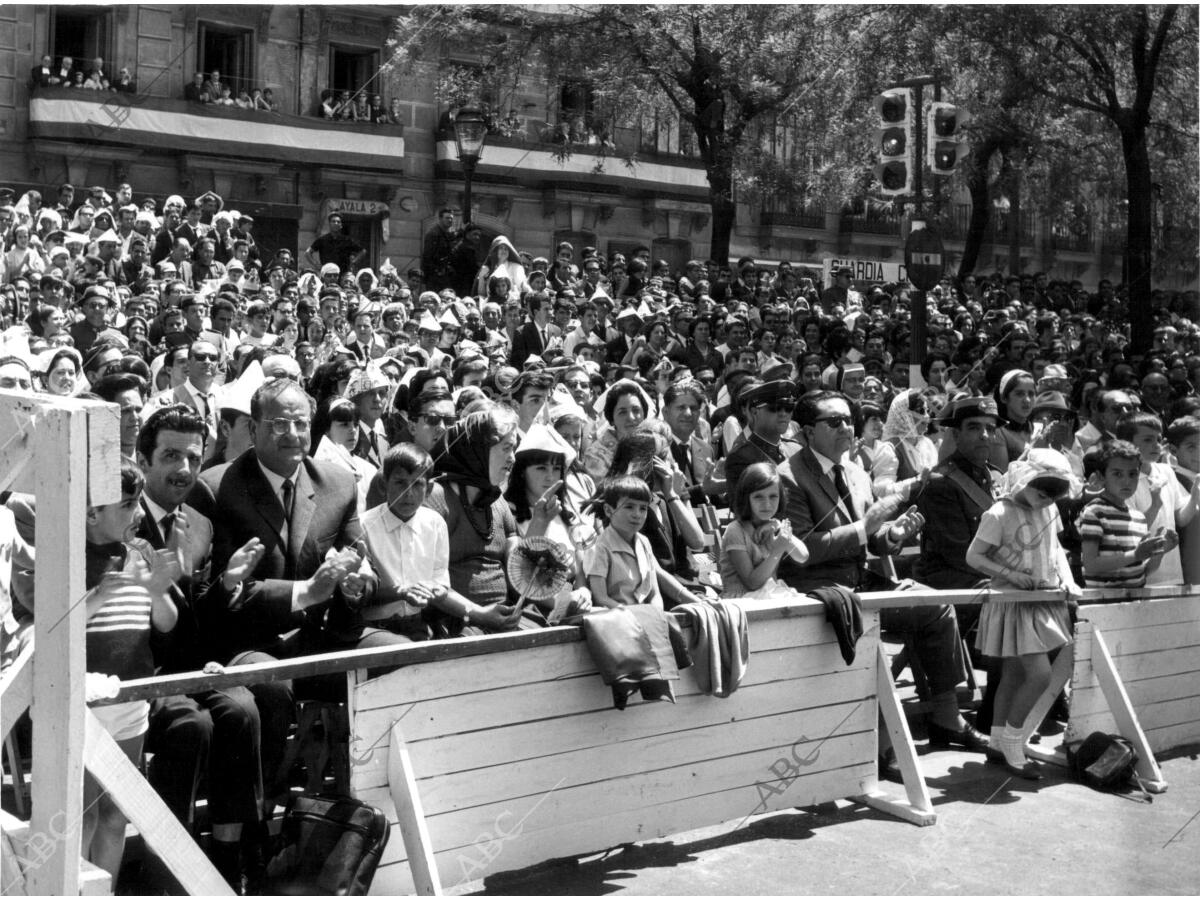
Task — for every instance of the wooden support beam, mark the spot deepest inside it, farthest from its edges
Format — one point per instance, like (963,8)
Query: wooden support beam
(1060,674)
(59,664)
(1127,721)
(140,803)
(410,817)
(919,808)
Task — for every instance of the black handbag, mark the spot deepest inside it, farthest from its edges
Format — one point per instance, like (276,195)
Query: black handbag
(329,845)
(1105,762)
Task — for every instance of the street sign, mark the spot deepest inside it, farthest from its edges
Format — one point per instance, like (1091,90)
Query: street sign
(924,258)
(864,271)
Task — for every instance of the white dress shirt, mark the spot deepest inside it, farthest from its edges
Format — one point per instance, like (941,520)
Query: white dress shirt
(403,554)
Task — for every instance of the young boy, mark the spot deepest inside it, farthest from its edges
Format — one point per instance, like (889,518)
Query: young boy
(1117,551)
(1183,438)
(407,545)
(622,570)
(1159,496)
(128,583)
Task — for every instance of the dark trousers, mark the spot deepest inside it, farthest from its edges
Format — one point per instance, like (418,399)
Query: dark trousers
(932,632)
(217,732)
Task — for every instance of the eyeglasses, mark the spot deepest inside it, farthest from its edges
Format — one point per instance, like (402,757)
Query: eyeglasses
(433,420)
(836,421)
(283,426)
(205,357)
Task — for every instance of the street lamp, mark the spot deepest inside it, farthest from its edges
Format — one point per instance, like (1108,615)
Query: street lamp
(470,130)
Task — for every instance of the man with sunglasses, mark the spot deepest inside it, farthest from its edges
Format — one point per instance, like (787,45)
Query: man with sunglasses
(196,392)
(769,413)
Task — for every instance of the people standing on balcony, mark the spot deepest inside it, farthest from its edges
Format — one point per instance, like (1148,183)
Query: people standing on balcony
(197,91)
(213,86)
(125,83)
(43,75)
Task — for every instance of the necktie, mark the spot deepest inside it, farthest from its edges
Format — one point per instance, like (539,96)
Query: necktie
(166,526)
(289,496)
(843,489)
(174,531)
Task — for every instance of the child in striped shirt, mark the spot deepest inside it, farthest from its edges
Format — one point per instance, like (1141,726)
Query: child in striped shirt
(1117,550)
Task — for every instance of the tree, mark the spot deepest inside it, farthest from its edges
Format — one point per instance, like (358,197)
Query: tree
(1134,67)
(723,71)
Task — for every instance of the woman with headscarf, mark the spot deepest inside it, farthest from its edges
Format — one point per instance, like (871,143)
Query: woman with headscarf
(502,260)
(905,454)
(1014,397)
(474,459)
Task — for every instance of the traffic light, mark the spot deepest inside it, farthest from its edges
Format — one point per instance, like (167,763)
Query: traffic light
(946,143)
(894,141)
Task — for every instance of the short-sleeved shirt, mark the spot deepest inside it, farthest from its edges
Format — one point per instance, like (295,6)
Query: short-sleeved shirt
(1025,539)
(628,571)
(1119,530)
(1161,498)
(738,535)
(336,248)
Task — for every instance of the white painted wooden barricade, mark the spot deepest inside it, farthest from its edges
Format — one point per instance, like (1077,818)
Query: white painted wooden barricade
(66,452)
(503,753)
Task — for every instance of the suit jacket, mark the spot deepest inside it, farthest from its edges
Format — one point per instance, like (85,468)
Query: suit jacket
(189,645)
(324,516)
(182,395)
(363,450)
(827,528)
(943,560)
(695,464)
(526,343)
(40,76)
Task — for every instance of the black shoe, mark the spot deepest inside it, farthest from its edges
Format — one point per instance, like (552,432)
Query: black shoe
(889,768)
(1030,771)
(226,857)
(967,738)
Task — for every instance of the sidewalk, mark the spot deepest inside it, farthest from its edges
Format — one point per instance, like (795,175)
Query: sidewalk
(994,835)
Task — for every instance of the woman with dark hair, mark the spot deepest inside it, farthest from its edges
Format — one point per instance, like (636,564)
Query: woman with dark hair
(474,459)
(868,429)
(331,378)
(137,330)
(626,406)
(1014,398)
(502,261)
(334,434)
(62,371)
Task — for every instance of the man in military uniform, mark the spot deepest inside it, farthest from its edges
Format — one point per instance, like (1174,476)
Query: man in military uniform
(962,487)
(769,408)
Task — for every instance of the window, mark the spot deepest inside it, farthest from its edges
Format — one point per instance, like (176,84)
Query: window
(229,51)
(82,33)
(351,69)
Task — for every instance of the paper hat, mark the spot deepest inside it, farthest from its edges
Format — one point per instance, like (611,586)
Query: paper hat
(544,439)
(236,395)
(428,323)
(371,378)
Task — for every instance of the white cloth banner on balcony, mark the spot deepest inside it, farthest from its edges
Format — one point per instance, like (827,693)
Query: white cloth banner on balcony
(115,121)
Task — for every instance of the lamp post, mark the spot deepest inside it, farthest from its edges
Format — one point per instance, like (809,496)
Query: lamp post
(470,130)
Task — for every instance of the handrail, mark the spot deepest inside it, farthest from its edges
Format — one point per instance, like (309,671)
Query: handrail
(412,654)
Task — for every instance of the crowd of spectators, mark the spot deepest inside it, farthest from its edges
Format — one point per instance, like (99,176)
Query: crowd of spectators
(374,446)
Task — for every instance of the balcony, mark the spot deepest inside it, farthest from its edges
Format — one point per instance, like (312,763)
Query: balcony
(589,167)
(177,125)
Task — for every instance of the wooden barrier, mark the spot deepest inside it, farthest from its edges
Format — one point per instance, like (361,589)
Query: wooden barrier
(501,760)
(67,453)
(1150,649)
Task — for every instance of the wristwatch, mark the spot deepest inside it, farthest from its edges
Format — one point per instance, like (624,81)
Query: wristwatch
(466,617)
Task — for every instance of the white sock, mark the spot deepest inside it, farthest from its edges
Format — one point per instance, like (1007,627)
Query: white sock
(1012,745)
(994,737)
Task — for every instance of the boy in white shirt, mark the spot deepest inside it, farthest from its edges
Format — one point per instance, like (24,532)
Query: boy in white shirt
(407,545)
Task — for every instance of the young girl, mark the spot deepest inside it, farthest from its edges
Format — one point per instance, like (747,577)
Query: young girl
(756,540)
(622,570)
(1017,545)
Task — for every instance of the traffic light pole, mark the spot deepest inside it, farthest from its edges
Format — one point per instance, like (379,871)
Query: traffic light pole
(920,329)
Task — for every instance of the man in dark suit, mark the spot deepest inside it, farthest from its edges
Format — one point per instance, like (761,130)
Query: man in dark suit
(534,336)
(196,393)
(43,75)
(299,509)
(216,729)
(832,509)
